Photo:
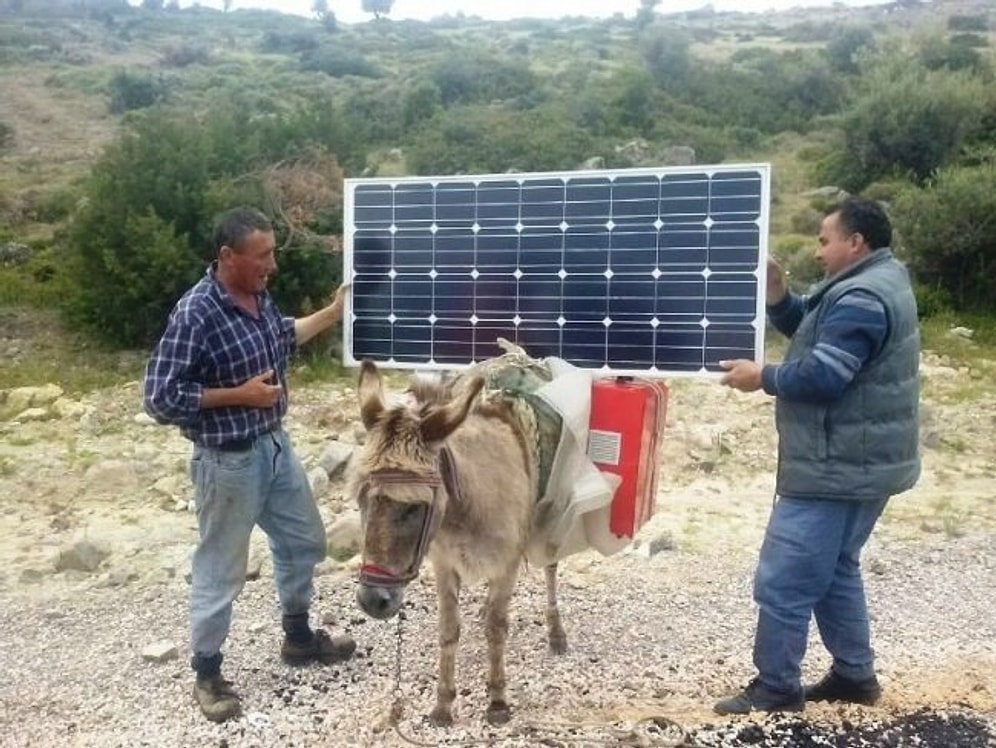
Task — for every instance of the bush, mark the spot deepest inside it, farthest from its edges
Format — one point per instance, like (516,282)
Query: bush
(6,136)
(138,240)
(337,63)
(907,123)
(948,231)
(131,91)
(186,54)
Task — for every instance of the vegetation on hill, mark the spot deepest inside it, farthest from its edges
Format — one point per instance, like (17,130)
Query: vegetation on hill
(125,129)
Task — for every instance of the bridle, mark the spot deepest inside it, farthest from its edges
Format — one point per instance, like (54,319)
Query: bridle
(372,575)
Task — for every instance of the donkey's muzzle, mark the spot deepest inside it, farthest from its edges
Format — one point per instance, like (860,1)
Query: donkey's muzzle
(380,602)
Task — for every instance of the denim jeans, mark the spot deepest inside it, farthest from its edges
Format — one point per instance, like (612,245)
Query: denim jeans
(234,491)
(810,566)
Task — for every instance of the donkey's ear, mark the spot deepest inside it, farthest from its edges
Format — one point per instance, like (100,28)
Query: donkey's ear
(442,421)
(371,394)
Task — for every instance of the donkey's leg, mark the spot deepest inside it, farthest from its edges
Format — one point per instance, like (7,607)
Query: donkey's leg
(448,597)
(555,633)
(496,630)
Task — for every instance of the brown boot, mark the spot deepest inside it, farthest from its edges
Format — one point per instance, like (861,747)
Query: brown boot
(319,648)
(217,699)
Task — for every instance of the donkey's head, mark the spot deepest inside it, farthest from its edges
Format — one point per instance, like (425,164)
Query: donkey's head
(398,485)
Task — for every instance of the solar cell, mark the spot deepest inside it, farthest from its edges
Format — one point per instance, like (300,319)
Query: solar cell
(635,271)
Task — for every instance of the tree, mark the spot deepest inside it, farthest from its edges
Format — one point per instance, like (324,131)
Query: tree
(140,237)
(908,121)
(645,15)
(319,8)
(377,7)
(948,229)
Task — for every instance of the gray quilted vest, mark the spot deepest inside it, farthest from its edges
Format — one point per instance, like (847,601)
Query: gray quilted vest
(865,445)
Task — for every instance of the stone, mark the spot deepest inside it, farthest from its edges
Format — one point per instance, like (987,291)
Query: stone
(345,535)
(160,652)
(83,555)
(335,457)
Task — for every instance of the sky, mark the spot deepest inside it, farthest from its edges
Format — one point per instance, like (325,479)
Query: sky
(350,11)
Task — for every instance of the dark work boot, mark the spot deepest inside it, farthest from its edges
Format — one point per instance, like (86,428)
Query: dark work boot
(759,698)
(214,695)
(834,687)
(302,645)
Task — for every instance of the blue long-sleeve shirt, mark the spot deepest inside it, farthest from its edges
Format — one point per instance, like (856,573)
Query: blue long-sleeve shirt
(851,332)
(210,342)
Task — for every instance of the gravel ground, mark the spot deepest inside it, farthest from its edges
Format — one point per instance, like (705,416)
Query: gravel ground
(653,639)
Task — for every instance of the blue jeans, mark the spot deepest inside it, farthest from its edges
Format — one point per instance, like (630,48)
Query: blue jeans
(810,566)
(265,485)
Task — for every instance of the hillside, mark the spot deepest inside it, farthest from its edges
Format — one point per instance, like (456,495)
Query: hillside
(68,83)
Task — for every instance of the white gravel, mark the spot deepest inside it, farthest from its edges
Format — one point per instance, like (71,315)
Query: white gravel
(648,636)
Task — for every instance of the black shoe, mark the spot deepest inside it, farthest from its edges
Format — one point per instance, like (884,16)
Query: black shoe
(216,698)
(834,687)
(759,698)
(319,648)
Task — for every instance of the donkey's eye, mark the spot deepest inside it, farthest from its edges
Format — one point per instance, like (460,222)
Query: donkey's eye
(409,511)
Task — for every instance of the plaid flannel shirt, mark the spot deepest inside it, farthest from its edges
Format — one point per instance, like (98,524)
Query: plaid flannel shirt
(210,342)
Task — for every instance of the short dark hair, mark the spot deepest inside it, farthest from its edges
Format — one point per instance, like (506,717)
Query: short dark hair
(233,226)
(858,215)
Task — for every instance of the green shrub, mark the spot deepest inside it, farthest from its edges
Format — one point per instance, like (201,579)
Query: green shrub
(947,229)
(6,136)
(140,237)
(907,122)
(335,62)
(130,91)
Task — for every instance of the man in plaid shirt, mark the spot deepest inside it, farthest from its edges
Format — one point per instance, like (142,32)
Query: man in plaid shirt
(220,374)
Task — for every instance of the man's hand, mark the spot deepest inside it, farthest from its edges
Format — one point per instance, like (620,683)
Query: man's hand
(305,328)
(741,374)
(339,302)
(259,393)
(777,287)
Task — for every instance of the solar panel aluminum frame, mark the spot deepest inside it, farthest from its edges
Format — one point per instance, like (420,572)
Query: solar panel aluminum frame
(416,259)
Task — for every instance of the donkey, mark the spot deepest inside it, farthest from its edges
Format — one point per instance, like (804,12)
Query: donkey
(452,476)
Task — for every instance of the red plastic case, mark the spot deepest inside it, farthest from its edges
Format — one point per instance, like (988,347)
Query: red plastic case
(625,427)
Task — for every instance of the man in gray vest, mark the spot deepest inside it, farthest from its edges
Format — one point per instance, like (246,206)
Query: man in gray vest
(846,409)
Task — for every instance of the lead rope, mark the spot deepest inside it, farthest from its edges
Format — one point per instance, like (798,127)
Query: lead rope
(658,731)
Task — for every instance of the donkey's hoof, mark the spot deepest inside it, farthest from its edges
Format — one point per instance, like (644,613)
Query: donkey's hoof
(498,713)
(558,644)
(441,717)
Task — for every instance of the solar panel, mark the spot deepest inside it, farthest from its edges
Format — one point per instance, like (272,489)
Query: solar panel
(634,271)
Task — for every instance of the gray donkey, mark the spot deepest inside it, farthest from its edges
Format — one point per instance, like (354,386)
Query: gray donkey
(453,475)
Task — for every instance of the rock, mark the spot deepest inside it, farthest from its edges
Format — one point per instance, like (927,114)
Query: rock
(111,476)
(319,481)
(345,535)
(12,253)
(22,398)
(335,457)
(160,652)
(64,407)
(964,333)
(32,414)
(663,542)
(83,555)
(593,163)
(931,439)
(678,155)
(144,419)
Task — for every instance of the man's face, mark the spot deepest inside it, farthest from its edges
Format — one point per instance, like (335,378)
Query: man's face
(251,264)
(838,249)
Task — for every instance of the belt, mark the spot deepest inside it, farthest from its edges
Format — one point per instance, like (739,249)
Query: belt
(236,445)
(239,445)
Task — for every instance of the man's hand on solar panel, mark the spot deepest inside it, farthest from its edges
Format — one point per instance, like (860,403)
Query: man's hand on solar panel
(305,328)
(741,374)
(777,287)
